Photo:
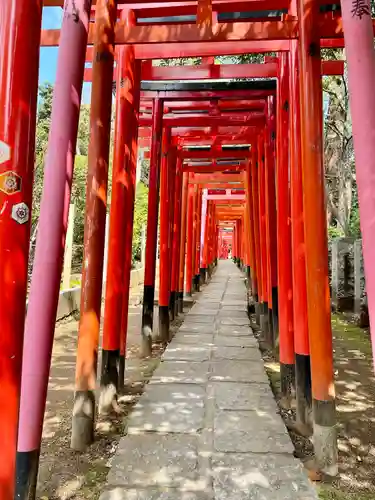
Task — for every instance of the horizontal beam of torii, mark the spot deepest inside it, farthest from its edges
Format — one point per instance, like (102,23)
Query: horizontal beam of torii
(252,119)
(222,105)
(225,197)
(219,71)
(213,168)
(217,185)
(217,178)
(209,139)
(221,33)
(211,154)
(202,132)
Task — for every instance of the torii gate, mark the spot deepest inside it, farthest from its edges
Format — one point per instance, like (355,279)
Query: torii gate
(303,322)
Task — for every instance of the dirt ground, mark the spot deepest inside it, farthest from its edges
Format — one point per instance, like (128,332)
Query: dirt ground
(63,473)
(355,406)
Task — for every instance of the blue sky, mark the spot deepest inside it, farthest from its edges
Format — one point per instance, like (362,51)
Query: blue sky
(52,18)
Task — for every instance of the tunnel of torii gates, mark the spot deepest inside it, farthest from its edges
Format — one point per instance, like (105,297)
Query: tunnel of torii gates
(235,164)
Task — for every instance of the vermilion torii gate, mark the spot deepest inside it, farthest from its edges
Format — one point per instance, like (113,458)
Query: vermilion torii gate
(278,231)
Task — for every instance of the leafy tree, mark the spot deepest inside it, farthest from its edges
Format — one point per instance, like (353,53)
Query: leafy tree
(140,218)
(42,131)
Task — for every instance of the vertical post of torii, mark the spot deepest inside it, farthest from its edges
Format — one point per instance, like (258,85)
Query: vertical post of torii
(316,244)
(95,217)
(152,229)
(19,58)
(359,49)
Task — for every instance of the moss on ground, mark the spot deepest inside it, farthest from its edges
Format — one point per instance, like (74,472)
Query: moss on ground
(326,492)
(358,337)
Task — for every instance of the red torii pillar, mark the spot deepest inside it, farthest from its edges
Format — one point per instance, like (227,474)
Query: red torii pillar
(194,235)
(176,239)
(284,264)
(257,250)
(271,217)
(164,235)
(182,256)
(120,226)
(152,229)
(264,323)
(198,241)
(94,235)
(131,155)
(250,233)
(301,333)
(20,24)
(359,50)
(189,240)
(318,296)
(48,259)
(172,164)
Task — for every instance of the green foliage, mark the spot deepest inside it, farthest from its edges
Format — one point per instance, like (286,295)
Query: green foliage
(354,223)
(84,130)
(140,218)
(335,232)
(43,126)
(79,200)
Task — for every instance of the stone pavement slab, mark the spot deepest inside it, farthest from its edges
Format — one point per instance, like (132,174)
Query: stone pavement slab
(155,460)
(200,318)
(234,321)
(238,371)
(194,328)
(260,477)
(244,353)
(232,341)
(167,417)
(185,352)
(117,493)
(201,339)
(236,331)
(250,431)
(240,396)
(181,372)
(207,426)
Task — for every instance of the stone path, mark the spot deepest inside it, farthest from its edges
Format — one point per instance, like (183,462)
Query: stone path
(207,426)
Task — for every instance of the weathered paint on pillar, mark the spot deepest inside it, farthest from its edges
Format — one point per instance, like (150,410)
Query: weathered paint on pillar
(318,298)
(95,216)
(301,333)
(152,229)
(284,252)
(164,262)
(49,252)
(360,56)
(19,59)
(121,214)
(131,156)
(184,203)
